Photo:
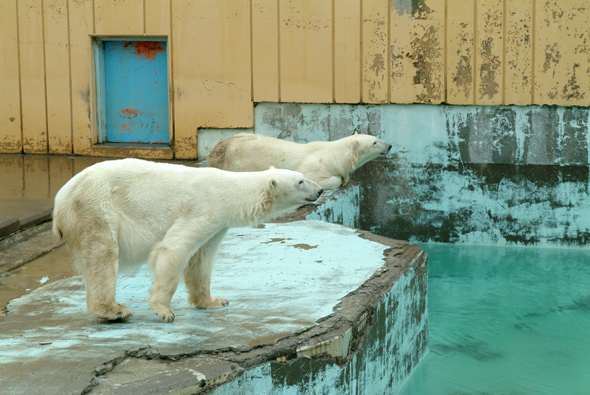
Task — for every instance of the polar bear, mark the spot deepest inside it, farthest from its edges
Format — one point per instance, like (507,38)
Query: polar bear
(175,217)
(328,163)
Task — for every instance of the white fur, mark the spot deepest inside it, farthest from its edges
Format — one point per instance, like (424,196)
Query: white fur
(127,211)
(328,163)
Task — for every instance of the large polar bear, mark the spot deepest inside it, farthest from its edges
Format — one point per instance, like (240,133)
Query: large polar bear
(328,163)
(173,216)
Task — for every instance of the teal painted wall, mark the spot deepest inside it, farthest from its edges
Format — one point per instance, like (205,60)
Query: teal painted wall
(395,344)
(460,174)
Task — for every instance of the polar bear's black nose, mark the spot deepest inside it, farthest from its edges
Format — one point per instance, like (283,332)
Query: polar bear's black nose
(320,192)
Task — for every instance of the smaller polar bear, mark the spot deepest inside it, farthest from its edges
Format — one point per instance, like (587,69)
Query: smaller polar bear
(173,216)
(328,163)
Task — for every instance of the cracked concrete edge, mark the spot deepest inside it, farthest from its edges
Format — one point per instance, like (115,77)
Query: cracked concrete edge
(24,246)
(306,210)
(12,226)
(337,336)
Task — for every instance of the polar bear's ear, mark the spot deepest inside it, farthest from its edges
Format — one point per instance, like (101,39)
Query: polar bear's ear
(272,168)
(273,184)
(355,132)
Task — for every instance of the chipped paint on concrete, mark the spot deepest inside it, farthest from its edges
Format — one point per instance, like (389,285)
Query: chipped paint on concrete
(50,326)
(478,204)
(339,206)
(208,138)
(440,134)
(472,174)
(394,346)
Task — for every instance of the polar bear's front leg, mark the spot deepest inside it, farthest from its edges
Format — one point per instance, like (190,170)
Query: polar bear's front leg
(331,182)
(169,259)
(197,275)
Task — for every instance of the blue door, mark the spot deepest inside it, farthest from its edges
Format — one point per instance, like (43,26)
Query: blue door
(135,92)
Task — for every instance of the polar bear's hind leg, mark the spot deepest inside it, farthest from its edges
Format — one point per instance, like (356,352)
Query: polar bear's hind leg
(98,262)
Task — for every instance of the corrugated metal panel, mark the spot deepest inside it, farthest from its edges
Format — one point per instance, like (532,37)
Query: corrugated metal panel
(225,55)
(10,121)
(32,74)
(57,76)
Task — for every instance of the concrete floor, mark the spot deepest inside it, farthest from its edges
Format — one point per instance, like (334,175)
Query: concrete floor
(297,289)
(279,278)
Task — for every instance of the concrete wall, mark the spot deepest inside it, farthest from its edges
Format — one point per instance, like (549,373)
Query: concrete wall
(224,56)
(470,174)
(393,347)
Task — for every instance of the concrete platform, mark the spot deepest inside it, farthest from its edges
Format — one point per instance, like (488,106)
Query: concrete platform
(300,289)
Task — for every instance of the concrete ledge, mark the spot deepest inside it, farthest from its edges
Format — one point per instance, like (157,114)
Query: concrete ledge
(378,332)
(133,150)
(8,225)
(299,291)
(27,245)
(337,206)
(36,219)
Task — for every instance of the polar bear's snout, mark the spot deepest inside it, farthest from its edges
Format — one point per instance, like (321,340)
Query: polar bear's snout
(316,195)
(316,191)
(387,149)
(383,146)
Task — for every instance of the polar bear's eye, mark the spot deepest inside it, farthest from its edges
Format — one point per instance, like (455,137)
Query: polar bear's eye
(301,182)
(374,142)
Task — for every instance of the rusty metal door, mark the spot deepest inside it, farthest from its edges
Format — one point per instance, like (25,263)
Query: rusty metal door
(132,81)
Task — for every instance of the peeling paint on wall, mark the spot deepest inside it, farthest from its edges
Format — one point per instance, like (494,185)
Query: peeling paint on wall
(476,174)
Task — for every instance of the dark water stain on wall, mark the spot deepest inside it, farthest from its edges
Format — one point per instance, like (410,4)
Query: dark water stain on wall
(476,203)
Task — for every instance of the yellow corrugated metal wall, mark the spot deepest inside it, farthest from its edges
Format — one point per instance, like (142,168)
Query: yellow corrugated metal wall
(226,55)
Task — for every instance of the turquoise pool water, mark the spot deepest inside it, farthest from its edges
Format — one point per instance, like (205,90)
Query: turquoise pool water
(506,320)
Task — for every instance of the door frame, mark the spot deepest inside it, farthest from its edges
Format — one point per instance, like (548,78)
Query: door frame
(100,83)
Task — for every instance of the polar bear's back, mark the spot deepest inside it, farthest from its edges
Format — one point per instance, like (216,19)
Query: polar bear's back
(254,152)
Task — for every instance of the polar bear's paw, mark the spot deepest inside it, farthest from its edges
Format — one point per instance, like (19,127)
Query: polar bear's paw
(112,312)
(212,303)
(165,313)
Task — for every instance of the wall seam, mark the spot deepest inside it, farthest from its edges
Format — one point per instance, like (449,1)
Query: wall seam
(361,54)
(388,51)
(533,39)
(504,52)
(279,47)
(446,47)
(70,75)
(474,101)
(20,90)
(45,76)
(93,18)
(251,56)
(333,51)
(144,18)
(171,88)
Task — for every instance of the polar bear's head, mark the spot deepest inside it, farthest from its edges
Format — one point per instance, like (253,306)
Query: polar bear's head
(290,189)
(366,147)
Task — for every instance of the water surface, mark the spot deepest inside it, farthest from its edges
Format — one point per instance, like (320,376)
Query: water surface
(506,320)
